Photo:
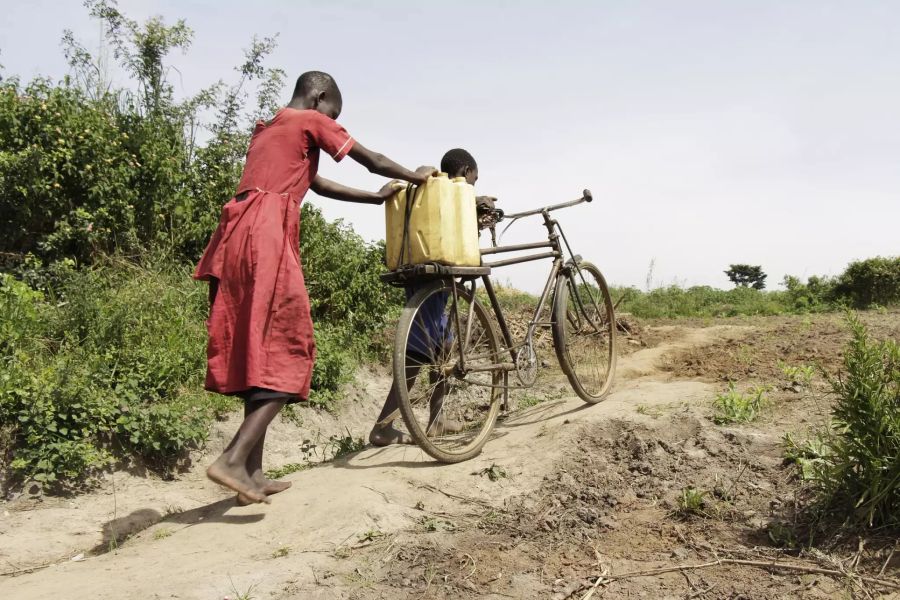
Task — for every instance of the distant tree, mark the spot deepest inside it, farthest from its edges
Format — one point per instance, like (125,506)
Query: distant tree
(747,276)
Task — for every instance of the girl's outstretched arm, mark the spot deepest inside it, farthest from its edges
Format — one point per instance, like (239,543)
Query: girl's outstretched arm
(382,165)
(331,189)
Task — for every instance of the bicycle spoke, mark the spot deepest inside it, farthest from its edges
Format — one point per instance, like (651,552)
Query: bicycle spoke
(451,409)
(585,332)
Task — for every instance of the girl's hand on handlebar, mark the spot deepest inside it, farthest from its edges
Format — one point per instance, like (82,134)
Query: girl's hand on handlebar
(485,203)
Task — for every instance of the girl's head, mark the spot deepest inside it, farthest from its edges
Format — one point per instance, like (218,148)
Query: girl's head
(459,163)
(318,91)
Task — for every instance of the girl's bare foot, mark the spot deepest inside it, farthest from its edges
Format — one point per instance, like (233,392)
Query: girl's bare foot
(235,478)
(273,486)
(266,486)
(386,435)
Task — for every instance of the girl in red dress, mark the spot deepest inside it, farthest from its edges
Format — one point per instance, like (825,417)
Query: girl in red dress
(260,332)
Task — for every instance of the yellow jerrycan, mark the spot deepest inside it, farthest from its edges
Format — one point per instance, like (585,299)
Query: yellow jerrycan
(443,224)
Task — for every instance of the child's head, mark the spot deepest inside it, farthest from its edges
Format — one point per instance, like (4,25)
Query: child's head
(318,91)
(459,163)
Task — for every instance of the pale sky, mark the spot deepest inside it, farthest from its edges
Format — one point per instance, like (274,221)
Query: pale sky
(764,132)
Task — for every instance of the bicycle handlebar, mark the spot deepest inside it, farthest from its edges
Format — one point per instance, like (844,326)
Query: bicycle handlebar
(586,196)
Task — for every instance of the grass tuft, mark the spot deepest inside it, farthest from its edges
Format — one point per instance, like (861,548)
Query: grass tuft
(692,502)
(735,407)
(279,472)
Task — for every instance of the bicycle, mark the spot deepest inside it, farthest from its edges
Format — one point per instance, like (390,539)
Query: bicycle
(469,354)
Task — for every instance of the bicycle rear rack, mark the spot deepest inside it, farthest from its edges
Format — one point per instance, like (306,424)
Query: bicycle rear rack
(413,274)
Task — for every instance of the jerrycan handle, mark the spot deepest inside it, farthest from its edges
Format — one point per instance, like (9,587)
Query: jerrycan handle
(405,247)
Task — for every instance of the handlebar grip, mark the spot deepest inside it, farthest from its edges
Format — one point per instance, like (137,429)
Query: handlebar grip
(587,196)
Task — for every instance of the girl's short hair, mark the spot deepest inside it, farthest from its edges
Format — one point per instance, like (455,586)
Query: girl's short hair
(456,160)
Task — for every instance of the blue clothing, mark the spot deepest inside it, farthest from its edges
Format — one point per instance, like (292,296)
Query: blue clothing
(428,332)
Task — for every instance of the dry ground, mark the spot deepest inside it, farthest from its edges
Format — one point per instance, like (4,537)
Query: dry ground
(562,494)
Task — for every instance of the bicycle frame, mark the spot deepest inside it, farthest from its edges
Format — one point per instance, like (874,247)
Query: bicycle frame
(554,235)
(479,337)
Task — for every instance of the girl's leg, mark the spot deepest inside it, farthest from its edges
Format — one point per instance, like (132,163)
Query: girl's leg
(254,467)
(254,461)
(384,433)
(438,423)
(230,469)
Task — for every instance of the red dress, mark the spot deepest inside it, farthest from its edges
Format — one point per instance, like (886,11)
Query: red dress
(260,330)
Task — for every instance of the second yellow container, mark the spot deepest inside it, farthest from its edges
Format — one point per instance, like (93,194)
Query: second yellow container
(443,224)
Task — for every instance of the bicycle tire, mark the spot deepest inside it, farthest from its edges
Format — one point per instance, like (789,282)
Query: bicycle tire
(586,352)
(476,393)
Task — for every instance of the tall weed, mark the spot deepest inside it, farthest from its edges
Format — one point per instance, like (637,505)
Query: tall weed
(858,474)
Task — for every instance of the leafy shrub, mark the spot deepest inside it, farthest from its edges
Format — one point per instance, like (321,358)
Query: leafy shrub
(807,455)
(350,305)
(699,301)
(816,295)
(89,170)
(110,367)
(863,284)
(857,467)
(342,277)
(872,281)
(335,363)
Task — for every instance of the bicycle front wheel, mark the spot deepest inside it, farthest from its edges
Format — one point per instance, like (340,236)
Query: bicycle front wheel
(447,370)
(584,331)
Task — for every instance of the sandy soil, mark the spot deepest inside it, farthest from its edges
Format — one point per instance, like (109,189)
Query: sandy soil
(561,493)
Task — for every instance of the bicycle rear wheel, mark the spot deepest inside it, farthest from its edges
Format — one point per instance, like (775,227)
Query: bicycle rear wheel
(449,408)
(584,331)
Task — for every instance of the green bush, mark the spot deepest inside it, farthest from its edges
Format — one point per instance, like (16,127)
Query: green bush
(863,284)
(816,295)
(107,363)
(67,172)
(350,305)
(868,282)
(88,170)
(110,366)
(335,363)
(699,301)
(857,471)
(342,276)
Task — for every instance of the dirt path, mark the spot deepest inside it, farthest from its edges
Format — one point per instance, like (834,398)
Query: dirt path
(195,543)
